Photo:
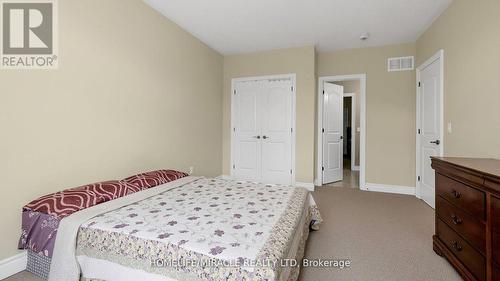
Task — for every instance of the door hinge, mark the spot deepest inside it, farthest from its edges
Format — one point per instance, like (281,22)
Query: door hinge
(323,130)
(234,166)
(418,178)
(290,171)
(419,84)
(291,130)
(235,92)
(323,92)
(322,168)
(234,129)
(419,131)
(292,88)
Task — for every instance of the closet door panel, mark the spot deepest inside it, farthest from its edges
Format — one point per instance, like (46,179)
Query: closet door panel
(276,123)
(246,132)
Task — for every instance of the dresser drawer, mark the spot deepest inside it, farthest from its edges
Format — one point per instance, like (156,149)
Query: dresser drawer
(491,183)
(470,258)
(473,230)
(495,246)
(461,195)
(496,273)
(495,213)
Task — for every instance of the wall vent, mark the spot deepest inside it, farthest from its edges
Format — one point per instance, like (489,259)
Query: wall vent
(400,64)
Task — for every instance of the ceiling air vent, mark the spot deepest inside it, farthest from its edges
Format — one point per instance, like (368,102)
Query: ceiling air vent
(400,64)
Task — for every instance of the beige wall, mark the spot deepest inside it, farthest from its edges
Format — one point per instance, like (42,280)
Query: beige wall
(354,87)
(133,92)
(300,61)
(468,33)
(390,110)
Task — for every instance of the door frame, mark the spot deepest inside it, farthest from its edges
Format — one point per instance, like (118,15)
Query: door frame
(439,55)
(353,129)
(362,124)
(292,77)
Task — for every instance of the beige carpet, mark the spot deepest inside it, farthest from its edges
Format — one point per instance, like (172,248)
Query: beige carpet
(386,237)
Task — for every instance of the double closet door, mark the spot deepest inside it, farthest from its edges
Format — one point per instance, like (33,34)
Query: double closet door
(262,130)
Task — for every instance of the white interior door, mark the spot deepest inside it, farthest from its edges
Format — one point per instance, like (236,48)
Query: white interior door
(276,120)
(247,149)
(333,106)
(430,127)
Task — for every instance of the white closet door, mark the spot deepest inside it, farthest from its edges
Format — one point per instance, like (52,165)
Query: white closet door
(247,148)
(276,121)
(333,106)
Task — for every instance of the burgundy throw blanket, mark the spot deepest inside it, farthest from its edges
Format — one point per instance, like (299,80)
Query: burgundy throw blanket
(40,217)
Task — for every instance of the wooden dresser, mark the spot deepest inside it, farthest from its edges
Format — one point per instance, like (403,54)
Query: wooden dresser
(468,215)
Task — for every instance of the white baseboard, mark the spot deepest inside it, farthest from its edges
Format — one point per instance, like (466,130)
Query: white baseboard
(307,185)
(13,265)
(387,188)
(355,168)
(224,177)
(317,182)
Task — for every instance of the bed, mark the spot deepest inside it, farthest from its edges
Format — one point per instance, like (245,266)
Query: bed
(190,228)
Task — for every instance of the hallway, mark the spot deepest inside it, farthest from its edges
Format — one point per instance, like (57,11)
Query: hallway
(351,178)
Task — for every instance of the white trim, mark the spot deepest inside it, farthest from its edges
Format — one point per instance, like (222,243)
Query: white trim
(362,122)
(355,168)
(13,265)
(307,185)
(353,129)
(388,188)
(293,78)
(439,55)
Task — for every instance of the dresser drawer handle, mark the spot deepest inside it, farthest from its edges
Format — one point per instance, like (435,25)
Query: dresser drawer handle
(456,246)
(456,194)
(456,220)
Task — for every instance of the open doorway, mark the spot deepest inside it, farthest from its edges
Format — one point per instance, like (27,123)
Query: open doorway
(351,114)
(340,152)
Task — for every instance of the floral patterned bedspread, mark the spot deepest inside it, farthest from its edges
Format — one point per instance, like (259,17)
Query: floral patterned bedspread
(248,225)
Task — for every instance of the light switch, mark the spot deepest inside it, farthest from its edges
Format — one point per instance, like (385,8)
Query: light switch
(449,128)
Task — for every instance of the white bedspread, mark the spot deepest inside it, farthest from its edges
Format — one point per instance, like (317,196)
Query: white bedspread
(223,219)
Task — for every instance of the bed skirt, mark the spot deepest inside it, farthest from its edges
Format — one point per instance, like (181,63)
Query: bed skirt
(38,265)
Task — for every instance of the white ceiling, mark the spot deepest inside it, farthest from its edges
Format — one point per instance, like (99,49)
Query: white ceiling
(241,26)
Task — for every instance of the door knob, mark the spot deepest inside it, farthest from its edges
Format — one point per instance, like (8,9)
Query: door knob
(264,137)
(437,142)
(257,137)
